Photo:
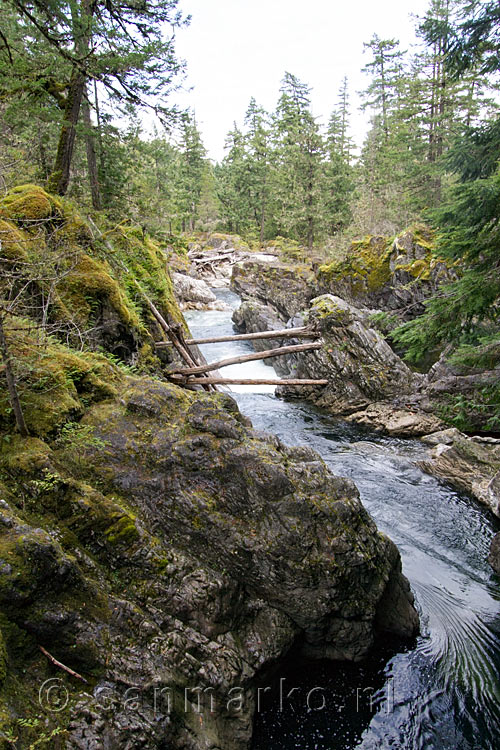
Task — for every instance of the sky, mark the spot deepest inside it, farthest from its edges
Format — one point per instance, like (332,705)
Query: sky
(236,49)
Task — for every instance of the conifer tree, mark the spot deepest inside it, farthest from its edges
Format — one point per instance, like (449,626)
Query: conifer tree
(339,177)
(122,45)
(299,160)
(257,140)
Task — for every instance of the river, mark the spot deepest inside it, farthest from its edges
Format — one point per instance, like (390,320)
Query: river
(441,692)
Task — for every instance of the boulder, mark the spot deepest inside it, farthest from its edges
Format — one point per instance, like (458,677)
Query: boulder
(386,417)
(189,290)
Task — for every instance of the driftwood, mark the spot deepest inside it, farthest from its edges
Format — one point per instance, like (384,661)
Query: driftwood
(245,381)
(248,358)
(286,333)
(212,259)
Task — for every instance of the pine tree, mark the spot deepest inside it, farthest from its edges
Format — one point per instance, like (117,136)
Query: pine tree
(339,173)
(299,159)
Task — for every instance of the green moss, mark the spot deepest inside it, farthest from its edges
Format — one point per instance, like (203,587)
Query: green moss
(91,280)
(367,267)
(423,236)
(420,269)
(25,456)
(28,203)
(122,531)
(45,231)
(325,307)
(55,383)
(14,243)
(145,263)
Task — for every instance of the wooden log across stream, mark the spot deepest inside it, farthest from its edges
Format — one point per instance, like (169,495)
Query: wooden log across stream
(247,358)
(285,333)
(244,381)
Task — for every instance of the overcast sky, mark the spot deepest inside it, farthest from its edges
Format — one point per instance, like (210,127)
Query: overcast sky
(236,49)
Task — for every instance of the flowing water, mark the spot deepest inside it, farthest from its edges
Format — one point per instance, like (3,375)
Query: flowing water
(441,692)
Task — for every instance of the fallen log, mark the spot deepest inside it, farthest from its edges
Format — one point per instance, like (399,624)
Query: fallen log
(244,381)
(247,358)
(167,329)
(285,333)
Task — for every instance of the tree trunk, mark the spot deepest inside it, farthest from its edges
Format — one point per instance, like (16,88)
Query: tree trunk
(247,358)
(82,30)
(59,179)
(91,156)
(11,384)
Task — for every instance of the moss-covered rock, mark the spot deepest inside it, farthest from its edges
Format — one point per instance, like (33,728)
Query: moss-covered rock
(182,550)
(55,383)
(30,203)
(97,297)
(388,273)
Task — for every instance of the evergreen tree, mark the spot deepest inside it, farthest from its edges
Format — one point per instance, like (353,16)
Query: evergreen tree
(232,189)
(191,169)
(466,313)
(339,177)
(299,159)
(385,69)
(257,140)
(122,45)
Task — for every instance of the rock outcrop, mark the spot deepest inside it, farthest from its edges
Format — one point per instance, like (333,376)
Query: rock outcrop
(172,557)
(368,383)
(286,287)
(470,463)
(95,301)
(391,275)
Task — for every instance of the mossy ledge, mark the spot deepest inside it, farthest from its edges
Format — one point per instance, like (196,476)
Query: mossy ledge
(392,273)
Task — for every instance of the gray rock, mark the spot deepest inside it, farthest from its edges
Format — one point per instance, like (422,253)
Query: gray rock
(444,437)
(368,382)
(254,317)
(184,559)
(287,288)
(494,556)
(471,464)
(189,290)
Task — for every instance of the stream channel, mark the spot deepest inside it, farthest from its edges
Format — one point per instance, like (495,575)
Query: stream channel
(441,692)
